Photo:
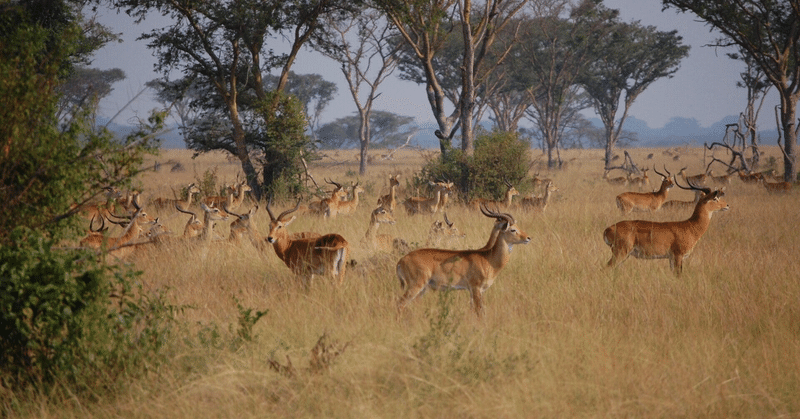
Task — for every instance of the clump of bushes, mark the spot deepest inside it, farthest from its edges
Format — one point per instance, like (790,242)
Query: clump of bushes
(499,157)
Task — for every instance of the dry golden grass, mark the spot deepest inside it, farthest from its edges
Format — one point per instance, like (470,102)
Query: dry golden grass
(562,335)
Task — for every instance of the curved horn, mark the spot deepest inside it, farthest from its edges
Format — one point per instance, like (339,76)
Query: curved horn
(449,224)
(662,175)
(225,208)
(289,211)
(691,187)
(102,224)
(269,211)
(507,217)
(178,207)
(333,183)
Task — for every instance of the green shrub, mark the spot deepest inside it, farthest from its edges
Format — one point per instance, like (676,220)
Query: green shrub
(67,318)
(499,157)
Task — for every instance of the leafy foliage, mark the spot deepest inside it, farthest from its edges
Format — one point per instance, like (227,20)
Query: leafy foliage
(387,130)
(499,157)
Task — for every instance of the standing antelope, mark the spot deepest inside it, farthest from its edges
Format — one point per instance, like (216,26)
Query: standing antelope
(642,182)
(720,180)
(474,270)
(349,207)
(660,240)
(506,203)
(539,203)
(389,201)
(416,205)
(675,206)
(776,188)
(194,227)
(323,255)
(750,177)
(645,201)
(329,207)
(234,198)
(382,242)
(694,180)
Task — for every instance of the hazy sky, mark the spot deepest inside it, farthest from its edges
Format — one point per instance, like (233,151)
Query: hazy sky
(704,88)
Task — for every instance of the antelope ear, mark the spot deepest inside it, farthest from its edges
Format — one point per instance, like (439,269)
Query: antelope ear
(286,223)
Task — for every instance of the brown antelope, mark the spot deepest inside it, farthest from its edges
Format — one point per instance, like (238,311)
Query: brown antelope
(323,255)
(619,181)
(389,201)
(117,246)
(506,203)
(382,242)
(751,178)
(642,182)
(162,203)
(646,201)
(679,206)
(93,210)
(720,180)
(329,207)
(443,232)
(539,203)
(348,207)
(212,214)
(474,270)
(194,227)
(661,240)
(417,205)
(243,226)
(233,200)
(776,188)
(694,180)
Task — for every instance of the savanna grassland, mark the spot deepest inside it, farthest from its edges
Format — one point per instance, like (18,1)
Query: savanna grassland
(562,336)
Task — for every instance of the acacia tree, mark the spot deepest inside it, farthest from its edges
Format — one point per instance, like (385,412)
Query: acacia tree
(366,63)
(757,86)
(768,32)
(626,62)
(549,62)
(425,27)
(220,46)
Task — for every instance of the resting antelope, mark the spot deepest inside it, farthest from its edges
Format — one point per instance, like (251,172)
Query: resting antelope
(539,203)
(660,240)
(506,203)
(118,246)
(243,226)
(161,203)
(720,180)
(348,207)
(323,255)
(642,182)
(474,270)
(94,210)
(750,177)
(675,205)
(389,201)
(382,242)
(620,181)
(416,205)
(443,232)
(645,201)
(194,227)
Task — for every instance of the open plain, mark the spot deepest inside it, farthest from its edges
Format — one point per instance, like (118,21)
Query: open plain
(562,335)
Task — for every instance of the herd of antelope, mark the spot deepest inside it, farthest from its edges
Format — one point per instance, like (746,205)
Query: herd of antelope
(433,266)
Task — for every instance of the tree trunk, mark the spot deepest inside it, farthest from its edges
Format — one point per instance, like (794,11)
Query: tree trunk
(788,117)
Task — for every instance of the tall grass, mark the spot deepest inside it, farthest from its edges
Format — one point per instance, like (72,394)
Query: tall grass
(562,335)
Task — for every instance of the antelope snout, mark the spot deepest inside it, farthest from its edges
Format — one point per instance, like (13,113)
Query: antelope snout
(271,239)
(527,240)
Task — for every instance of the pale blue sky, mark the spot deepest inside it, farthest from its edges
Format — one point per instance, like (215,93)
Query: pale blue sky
(704,87)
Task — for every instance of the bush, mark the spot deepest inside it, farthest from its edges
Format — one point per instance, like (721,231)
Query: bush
(499,157)
(66,318)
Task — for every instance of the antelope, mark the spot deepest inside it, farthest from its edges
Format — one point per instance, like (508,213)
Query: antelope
(329,207)
(675,205)
(474,270)
(642,182)
(660,240)
(776,188)
(243,226)
(443,232)
(212,214)
(383,242)
(416,205)
(324,255)
(348,207)
(117,246)
(93,210)
(234,198)
(194,227)
(619,181)
(720,180)
(539,203)
(750,177)
(161,203)
(506,203)
(389,201)
(694,180)
(645,201)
